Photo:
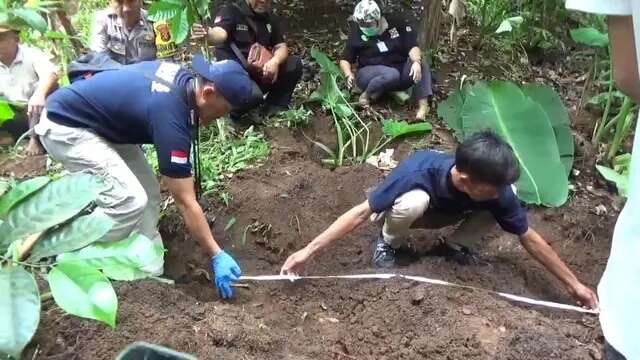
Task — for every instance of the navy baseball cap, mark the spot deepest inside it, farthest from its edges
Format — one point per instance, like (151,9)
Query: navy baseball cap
(229,77)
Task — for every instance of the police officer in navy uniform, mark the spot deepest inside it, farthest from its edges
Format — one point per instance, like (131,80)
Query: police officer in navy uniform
(387,57)
(245,23)
(96,126)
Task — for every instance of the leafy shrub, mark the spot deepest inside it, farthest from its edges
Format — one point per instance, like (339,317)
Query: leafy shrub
(41,219)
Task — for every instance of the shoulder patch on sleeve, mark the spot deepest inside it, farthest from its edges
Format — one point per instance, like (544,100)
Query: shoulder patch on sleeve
(409,29)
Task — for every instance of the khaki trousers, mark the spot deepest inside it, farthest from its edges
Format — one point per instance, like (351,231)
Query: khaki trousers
(409,210)
(132,195)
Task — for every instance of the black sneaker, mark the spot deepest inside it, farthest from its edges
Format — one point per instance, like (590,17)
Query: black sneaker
(464,257)
(457,253)
(384,256)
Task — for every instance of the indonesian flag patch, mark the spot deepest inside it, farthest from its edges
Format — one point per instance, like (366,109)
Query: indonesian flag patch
(217,19)
(179,157)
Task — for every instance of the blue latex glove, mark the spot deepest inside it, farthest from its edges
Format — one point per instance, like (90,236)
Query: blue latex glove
(225,270)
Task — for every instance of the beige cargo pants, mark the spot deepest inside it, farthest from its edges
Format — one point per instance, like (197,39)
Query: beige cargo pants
(132,196)
(408,212)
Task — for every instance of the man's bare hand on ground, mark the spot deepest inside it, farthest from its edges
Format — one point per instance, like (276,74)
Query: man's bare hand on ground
(584,296)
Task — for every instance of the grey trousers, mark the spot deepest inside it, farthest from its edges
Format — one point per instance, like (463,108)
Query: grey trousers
(379,79)
(409,210)
(132,196)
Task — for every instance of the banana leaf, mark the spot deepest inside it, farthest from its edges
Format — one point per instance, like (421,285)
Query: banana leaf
(558,117)
(394,129)
(503,108)
(450,110)
(620,179)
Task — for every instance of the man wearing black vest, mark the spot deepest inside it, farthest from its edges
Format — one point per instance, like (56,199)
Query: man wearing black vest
(236,27)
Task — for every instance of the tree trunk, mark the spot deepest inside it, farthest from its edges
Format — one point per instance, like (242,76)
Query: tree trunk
(71,32)
(430,24)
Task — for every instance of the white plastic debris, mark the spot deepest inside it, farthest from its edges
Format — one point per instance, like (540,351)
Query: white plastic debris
(600,210)
(384,160)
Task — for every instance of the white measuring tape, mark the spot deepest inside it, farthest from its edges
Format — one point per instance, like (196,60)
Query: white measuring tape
(421,279)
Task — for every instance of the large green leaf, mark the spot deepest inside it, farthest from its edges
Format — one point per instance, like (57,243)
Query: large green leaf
(326,64)
(558,116)
(203,8)
(622,163)
(19,310)
(590,36)
(621,180)
(180,25)
(72,236)
(32,18)
(396,129)
(134,253)
(83,291)
(450,110)
(56,203)
(6,112)
(164,10)
(124,273)
(21,192)
(507,25)
(503,108)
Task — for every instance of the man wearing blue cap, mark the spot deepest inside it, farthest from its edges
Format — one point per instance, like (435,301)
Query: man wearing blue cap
(96,125)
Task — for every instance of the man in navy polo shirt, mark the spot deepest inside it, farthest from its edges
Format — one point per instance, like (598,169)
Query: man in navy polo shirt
(96,126)
(432,190)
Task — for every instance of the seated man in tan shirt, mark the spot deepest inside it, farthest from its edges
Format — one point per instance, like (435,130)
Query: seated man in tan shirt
(27,77)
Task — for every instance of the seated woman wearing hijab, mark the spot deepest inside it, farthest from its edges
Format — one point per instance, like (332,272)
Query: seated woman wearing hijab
(385,52)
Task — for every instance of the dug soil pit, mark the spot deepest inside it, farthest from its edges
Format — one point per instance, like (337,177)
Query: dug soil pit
(280,207)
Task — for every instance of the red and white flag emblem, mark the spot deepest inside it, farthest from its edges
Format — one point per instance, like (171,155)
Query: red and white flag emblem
(217,19)
(179,157)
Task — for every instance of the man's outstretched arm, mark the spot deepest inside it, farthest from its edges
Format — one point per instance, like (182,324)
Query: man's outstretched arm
(340,228)
(544,254)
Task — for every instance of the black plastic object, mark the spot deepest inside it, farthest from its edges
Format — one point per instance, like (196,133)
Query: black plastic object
(146,351)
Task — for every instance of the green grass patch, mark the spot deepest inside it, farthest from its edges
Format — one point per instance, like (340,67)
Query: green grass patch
(222,154)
